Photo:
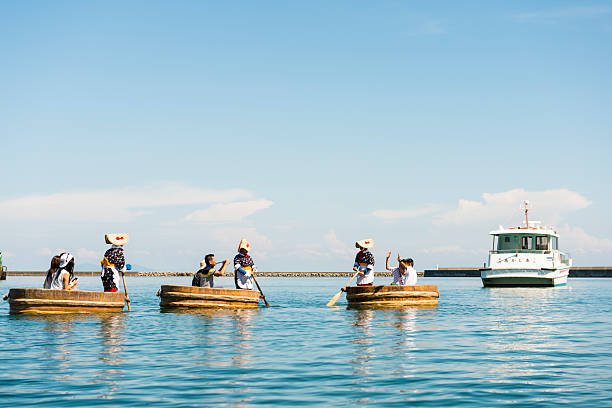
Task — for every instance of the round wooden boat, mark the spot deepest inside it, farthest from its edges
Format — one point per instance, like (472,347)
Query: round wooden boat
(55,301)
(392,295)
(176,296)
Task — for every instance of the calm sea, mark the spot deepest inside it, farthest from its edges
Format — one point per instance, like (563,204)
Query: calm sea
(478,347)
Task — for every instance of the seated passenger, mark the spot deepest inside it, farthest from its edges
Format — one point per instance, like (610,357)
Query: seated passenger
(204,278)
(55,263)
(64,276)
(404,275)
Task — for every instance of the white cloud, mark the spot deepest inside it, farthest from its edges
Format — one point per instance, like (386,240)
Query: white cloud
(329,246)
(395,215)
(499,206)
(575,239)
(445,249)
(227,239)
(229,212)
(49,252)
(83,253)
(113,204)
(336,246)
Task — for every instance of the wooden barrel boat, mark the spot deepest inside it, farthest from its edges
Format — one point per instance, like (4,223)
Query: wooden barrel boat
(179,297)
(55,301)
(392,295)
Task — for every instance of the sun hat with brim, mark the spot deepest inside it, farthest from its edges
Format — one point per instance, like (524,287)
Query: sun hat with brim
(244,244)
(365,243)
(117,239)
(65,259)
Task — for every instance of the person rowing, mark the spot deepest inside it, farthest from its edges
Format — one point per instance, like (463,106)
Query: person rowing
(364,263)
(204,277)
(244,266)
(404,274)
(114,261)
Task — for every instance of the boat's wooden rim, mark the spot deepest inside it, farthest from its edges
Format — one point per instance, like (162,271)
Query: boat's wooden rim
(391,295)
(206,296)
(209,291)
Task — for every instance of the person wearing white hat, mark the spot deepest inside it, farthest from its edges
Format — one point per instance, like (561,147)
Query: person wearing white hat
(64,276)
(114,261)
(244,266)
(204,278)
(364,262)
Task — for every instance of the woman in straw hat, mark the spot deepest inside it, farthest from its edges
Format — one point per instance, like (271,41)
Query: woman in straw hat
(114,261)
(244,267)
(364,262)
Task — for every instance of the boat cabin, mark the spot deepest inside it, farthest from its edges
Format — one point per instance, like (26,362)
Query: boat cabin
(530,240)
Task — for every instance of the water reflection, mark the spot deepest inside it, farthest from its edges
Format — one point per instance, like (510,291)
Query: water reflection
(111,332)
(363,341)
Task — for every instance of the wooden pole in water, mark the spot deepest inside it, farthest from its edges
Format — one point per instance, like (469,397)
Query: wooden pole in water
(259,288)
(337,295)
(127,298)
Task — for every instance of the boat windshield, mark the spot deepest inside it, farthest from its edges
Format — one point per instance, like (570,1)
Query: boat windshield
(523,243)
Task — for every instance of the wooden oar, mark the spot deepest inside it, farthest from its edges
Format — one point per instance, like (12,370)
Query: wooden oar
(127,298)
(337,295)
(259,288)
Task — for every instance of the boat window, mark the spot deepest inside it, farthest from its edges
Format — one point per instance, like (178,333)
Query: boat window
(507,242)
(555,243)
(526,242)
(542,243)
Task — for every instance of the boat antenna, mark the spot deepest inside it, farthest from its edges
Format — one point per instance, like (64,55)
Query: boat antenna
(526,208)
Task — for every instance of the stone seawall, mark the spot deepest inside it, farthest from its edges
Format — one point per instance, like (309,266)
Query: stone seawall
(278,274)
(577,272)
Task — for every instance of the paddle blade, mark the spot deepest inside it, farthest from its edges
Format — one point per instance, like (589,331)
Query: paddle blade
(334,299)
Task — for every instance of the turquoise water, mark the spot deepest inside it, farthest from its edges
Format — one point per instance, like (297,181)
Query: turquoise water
(480,347)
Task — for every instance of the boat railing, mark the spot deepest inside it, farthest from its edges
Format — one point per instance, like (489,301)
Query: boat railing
(564,258)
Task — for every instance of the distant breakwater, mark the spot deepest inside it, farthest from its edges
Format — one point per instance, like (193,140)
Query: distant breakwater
(469,272)
(161,273)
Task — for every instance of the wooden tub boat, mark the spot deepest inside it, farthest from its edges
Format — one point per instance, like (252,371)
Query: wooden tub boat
(392,295)
(55,301)
(181,297)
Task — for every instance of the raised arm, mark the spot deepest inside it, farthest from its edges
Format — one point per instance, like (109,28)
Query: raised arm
(221,271)
(387,261)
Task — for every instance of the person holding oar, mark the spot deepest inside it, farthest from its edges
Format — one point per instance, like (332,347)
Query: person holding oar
(363,267)
(113,263)
(244,269)
(364,262)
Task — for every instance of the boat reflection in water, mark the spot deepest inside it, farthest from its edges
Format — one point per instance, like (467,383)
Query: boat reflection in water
(110,373)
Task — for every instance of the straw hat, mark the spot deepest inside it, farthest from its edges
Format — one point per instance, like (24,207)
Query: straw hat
(365,243)
(244,244)
(203,264)
(117,239)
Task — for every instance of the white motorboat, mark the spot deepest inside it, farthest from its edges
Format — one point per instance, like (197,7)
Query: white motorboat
(527,255)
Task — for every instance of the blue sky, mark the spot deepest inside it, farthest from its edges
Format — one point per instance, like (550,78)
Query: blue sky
(302,127)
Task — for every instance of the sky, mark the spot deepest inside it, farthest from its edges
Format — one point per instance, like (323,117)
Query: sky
(303,127)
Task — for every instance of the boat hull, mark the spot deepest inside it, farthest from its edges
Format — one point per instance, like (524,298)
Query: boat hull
(392,295)
(53,301)
(523,277)
(193,297)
